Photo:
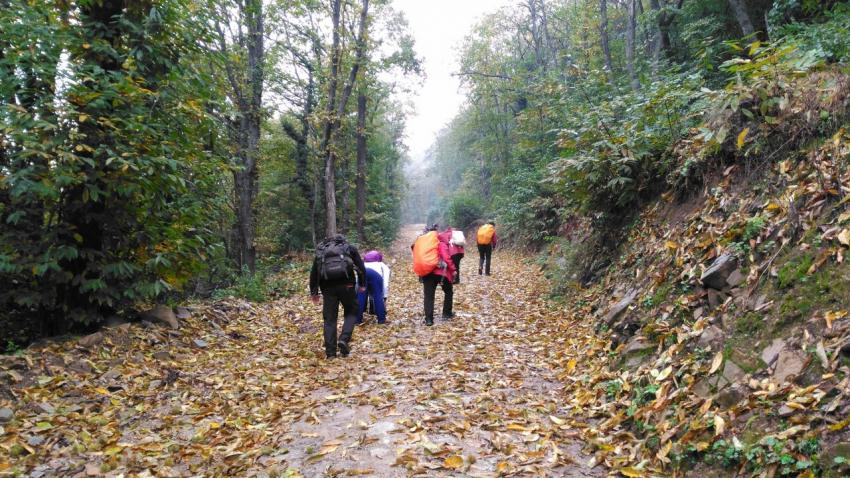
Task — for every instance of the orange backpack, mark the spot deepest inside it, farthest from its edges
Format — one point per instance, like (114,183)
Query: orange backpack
(485,234)
(425,256)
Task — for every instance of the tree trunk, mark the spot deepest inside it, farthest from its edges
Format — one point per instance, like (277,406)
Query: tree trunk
(361,164)
(742,17)
(630,44)
(335,110)
(345,196)
(99,24)
(245,179)
(302,138)
(603,35)
(327,147)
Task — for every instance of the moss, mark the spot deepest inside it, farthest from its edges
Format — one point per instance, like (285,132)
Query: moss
(750,324)
(794,271)
(660,295)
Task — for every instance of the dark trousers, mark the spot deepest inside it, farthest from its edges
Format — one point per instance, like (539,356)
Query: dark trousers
(430,283)
(332,297)
(456,259)
(485,253)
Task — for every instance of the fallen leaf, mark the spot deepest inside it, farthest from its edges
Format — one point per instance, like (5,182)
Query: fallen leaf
(719,425)
(716,363)
(742,137)
(453,462)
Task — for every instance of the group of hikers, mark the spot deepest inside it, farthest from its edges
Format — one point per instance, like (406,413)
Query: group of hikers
(362,283)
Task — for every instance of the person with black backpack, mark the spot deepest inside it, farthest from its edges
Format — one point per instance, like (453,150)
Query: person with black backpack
(333,272)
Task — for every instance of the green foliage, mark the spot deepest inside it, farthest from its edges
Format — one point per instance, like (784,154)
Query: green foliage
(463,209)
(528,209)
(106,187)
(826,39)
(269,282)
(794,271)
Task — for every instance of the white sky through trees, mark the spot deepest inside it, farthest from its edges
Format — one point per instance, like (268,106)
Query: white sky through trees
(439,27)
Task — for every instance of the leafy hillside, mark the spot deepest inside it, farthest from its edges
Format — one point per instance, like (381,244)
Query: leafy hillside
(722,324)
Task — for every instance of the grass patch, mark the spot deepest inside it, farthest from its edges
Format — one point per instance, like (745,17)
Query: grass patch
(267,284)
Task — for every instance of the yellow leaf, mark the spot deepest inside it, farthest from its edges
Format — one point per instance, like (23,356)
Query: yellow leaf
(102,391)
(517,428)
(844,237)
(719,425)
(503,467)
(83,118)
(664,451)
(632,472)
(571,365)
(665,373)
(113,450)
(453,462)
(671,245)
(716,363)
(840,425)
(742,137)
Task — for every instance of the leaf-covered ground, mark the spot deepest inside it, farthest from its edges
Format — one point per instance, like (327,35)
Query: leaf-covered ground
(243,390)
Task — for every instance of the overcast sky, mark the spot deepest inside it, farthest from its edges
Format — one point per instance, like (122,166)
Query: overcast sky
(439,27)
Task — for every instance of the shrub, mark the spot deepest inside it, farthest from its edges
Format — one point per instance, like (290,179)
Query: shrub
(103,201)
(463,209)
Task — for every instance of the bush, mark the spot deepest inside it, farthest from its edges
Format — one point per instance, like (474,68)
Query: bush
(270,282)
(827,40)
(104,201)
(463,209)
(527,208)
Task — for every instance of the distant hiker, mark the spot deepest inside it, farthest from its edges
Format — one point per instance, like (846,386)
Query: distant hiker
(487,240)
(333,272)
(434,266)
(456,244)
(375,295)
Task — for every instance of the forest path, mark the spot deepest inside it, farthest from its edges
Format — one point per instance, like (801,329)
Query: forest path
(242,390)
(476,395)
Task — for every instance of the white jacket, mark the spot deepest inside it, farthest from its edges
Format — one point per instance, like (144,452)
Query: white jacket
(384,270)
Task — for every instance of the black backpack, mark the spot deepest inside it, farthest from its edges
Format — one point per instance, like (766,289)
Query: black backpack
(334,259)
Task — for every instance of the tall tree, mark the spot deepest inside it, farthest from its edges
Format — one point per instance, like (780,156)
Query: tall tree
(666,14)
(742,17)
(603,35)
(336,105)
(243,55)
(361,163)
(631,26)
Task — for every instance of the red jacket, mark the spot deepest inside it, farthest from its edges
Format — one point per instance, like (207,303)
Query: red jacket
(445,256)
(453,249)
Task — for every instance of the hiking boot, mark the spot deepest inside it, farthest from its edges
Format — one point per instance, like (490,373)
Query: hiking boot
(448,316)
(429,321)
(344,349)
(480,271)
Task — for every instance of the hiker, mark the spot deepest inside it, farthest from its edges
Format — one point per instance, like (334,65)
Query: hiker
(456,244)
(377,287)
(333,272)
(434,266)
(487,239)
